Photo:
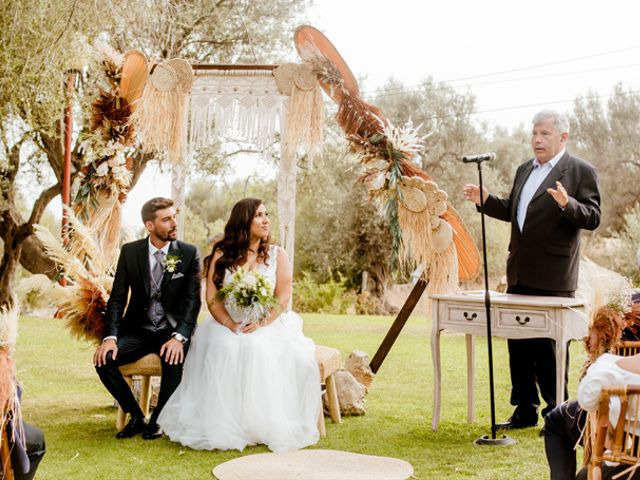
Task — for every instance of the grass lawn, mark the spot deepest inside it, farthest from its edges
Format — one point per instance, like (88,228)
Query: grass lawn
(63,396)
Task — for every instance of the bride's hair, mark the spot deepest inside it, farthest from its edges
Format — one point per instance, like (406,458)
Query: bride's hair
(234,245)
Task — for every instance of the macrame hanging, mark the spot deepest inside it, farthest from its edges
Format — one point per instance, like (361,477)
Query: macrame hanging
(255,104)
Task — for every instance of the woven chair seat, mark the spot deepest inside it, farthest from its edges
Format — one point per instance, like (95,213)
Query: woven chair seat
(147,365)
(328,360)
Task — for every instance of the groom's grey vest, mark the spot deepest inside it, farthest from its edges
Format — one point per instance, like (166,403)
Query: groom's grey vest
(157,319)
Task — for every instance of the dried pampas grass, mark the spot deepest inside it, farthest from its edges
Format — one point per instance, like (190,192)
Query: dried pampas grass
(105,221)
(9,401)
(9,327)
(83,301)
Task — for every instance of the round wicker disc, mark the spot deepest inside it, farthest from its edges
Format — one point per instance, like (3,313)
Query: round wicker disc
(284,77)
(164,77)
(304,77)
(440,208)
(184,72)
(442,237)
(413,199)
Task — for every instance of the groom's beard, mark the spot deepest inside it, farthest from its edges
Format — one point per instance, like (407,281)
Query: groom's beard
(169,236)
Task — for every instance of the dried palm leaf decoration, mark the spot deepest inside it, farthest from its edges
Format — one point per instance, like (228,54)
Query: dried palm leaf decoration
(425,228)
(105,178)
(135,71)
(82,302)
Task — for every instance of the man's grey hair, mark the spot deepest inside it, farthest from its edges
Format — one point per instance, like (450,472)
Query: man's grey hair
(560,121)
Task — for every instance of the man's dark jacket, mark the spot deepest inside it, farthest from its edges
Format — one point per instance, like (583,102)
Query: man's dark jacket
(180,295)
(546,254)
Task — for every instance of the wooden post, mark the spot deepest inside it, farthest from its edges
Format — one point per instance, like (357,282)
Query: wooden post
(66,172)
(396,327)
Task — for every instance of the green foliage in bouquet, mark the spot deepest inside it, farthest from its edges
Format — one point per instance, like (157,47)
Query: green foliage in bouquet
(251,291)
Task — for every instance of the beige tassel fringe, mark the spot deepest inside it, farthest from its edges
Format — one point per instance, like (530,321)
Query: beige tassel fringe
(159,119)
(305,124)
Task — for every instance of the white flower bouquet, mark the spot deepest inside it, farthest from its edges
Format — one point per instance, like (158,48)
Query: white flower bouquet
(250,294)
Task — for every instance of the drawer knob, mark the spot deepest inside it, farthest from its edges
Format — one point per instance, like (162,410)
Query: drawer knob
(470,317)
(522,321)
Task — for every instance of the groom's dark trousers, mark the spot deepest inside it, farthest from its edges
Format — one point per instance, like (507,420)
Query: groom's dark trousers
(175,302)
(131,348)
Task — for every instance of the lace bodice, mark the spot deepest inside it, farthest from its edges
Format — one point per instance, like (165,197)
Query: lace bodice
(268,270)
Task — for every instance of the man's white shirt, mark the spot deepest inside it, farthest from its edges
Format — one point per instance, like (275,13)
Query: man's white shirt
(536,177)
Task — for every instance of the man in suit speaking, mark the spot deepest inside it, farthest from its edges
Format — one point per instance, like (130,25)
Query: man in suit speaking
(163,276)
(554,195)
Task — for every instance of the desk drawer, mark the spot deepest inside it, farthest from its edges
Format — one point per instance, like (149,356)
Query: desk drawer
(523,320)
(466,315)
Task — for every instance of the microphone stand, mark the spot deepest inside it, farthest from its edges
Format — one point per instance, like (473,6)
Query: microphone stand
(484,439)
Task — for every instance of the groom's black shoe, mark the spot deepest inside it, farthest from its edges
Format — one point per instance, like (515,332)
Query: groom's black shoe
(520,419)
(152,431)
(131,429)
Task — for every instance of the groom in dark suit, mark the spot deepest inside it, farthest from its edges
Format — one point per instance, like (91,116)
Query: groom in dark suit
(554,196)
(163,276)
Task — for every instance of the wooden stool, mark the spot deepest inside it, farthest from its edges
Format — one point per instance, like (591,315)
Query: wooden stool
(147,367)
(329,360)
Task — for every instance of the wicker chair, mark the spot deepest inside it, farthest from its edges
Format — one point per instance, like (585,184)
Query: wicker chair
(616,443)
(627,348)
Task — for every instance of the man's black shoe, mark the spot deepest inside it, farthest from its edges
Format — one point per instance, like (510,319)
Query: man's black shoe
(152,431)
(516,422)
(131,429)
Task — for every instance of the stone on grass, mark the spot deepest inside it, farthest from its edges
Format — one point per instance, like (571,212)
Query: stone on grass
(357,364)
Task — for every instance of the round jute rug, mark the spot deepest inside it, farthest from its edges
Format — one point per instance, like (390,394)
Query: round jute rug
(313,465)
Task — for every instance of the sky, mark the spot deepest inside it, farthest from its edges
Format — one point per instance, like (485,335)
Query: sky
(549,50)
(515,57)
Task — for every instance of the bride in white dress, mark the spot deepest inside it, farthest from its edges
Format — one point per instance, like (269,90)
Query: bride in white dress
(247,383)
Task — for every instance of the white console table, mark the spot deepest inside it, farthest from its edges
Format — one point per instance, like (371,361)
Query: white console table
(512,316)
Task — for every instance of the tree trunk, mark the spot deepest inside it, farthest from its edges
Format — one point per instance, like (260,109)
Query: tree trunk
(35,260)
(8,264)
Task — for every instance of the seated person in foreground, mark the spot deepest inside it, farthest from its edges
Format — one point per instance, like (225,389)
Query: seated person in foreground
(564,424)
(26,442)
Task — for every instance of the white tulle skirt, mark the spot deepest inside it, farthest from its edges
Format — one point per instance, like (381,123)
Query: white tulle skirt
(247,389)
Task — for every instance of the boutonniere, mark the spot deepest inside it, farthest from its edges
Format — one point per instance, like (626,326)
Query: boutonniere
(171,263)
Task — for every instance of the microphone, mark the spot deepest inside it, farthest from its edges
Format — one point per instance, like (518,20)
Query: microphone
(481,157)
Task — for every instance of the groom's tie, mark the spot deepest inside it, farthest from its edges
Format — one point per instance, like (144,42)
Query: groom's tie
(158,268)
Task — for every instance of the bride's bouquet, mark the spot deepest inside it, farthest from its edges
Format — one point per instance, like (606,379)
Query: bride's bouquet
(250,293)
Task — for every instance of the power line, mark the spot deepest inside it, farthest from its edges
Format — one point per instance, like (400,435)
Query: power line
(529,67)
(385,93)
(539,104)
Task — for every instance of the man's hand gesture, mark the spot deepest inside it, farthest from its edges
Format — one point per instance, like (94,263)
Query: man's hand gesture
(560,195)
(472,193)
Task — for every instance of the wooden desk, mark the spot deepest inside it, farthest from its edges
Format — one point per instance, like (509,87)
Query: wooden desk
(512,316)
